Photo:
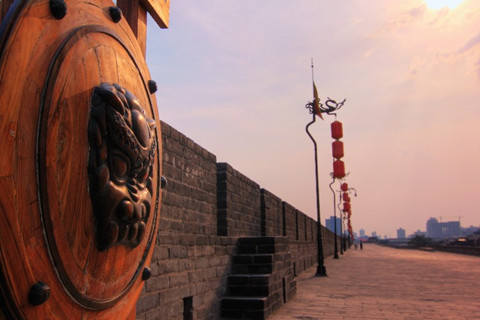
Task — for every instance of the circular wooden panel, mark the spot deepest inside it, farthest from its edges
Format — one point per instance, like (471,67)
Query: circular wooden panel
(51,223)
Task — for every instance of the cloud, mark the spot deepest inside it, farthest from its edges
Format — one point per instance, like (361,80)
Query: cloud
(368,53)
(412,16)
(418,11)
(470,44)
(416,64)
(469,48)
(477,65)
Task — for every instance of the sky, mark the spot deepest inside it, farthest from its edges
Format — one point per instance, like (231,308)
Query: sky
(235,76)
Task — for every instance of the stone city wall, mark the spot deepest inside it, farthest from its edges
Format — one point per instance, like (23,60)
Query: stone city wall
(206,207)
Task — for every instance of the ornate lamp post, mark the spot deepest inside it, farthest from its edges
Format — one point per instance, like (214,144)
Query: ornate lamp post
(321,270)
(344,195)
(316,109)
(338,171)
(335,255)
(342,240)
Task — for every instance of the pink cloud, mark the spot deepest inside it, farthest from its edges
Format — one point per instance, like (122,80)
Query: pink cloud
(418,11)
(470,44)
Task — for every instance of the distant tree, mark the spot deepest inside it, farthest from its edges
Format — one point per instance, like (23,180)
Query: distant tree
(420,241)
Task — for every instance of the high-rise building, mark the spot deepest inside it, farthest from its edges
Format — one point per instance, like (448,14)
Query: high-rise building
(432,228)
(330,224)
(440,230)
(362,233)
(401,233)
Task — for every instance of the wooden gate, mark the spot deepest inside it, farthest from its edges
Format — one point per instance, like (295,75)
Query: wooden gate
(80,145)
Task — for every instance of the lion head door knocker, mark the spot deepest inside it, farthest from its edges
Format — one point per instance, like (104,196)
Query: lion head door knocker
(121,156)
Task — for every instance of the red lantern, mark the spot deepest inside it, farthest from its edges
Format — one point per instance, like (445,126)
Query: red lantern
(337,149)
(344,186)
(338,169)
(337,130)
(346,197)
(347,206)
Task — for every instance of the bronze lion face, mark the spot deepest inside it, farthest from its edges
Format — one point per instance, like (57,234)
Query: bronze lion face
(121,157)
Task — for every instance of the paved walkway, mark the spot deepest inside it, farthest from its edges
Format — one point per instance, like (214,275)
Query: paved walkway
(384,283)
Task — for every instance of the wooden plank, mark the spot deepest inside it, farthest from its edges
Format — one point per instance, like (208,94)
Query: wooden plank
(132,11)
(135,12)
(159,10)
(136,16)
(132,316)
(142,30)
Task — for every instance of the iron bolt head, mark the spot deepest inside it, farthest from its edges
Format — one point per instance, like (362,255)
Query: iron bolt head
(39,293)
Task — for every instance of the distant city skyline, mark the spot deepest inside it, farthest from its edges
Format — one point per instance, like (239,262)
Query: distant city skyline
(438,229)
(330,224)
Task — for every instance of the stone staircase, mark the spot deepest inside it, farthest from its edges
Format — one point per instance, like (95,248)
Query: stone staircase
(261,280)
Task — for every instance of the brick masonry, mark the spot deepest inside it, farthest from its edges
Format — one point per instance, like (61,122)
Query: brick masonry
(206,207)
(238,200)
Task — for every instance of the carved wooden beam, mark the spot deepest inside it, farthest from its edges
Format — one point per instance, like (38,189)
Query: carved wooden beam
(135,12)
(159,10)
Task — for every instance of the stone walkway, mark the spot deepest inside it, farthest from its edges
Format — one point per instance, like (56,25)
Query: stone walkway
(384,283)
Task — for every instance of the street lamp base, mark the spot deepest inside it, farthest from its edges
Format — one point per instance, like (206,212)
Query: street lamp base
(321,271)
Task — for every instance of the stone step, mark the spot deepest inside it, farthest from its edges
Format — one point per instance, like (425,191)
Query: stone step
(261,245)
(252,258)
(245,308)
(248,285)
(256,241)
(260,268)
(249,291)
(256,248)
(249,279)
(253,290)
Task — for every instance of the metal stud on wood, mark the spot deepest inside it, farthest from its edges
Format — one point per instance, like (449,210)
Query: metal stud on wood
(58,8)
(147,273)
(115,14)
(163,182)
(152,86)
(39,293)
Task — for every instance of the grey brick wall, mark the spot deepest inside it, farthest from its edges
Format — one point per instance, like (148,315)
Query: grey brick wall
(290,214)
(238,203)
(271,213)
(189,259)
(206,207)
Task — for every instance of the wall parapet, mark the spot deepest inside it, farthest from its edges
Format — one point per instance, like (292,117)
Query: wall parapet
(206,207)
(238,199)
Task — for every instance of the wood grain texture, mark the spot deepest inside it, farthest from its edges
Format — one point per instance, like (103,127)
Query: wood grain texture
(48,70)
(159,10)
(135,12)
(136,16)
